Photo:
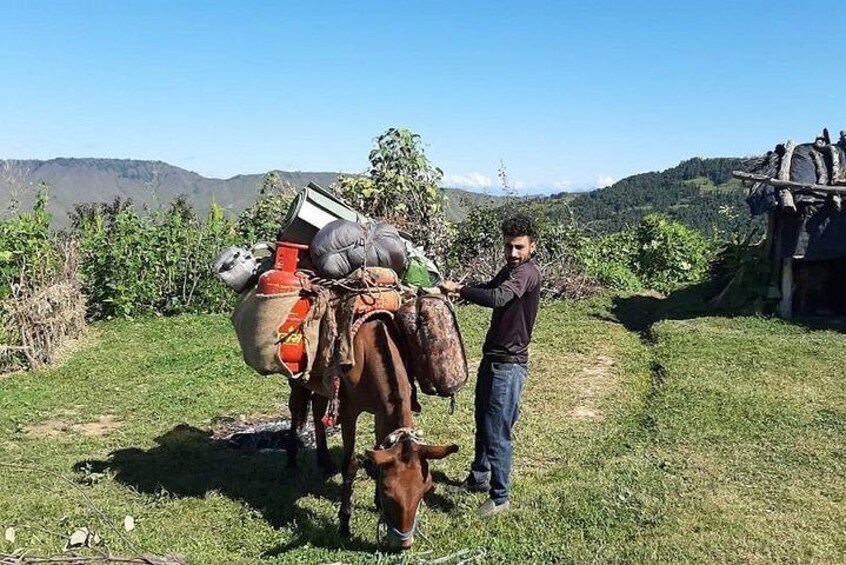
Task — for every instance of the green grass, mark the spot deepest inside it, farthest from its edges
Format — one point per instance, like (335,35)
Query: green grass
(749,422)
(714,439)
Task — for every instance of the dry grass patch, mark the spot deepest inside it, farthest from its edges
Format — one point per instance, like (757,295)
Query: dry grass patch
(55,428)
(580,387)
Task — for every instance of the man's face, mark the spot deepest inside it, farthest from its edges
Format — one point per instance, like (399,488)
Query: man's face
(518,249)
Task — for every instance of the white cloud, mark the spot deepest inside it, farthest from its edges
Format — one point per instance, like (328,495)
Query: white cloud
(480,181)
(468,180)
(604,180)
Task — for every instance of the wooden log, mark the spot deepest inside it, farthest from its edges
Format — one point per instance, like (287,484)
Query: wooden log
(837,173)
(800,187)
(785,199)
(786,161)
(819,165)
(785,307)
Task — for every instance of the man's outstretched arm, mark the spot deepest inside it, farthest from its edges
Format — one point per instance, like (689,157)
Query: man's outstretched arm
(489,297)
(494,294)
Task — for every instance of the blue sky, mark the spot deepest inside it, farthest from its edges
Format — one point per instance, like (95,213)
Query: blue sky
(569,95)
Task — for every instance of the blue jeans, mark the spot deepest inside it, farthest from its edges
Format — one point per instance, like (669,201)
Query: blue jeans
(498,390)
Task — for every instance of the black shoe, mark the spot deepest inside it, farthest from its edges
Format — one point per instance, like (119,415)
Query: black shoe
(469,485)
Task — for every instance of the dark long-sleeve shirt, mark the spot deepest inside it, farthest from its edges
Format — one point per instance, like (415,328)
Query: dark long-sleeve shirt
(514,295)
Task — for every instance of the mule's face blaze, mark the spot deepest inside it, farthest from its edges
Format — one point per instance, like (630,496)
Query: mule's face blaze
(404,479)
(402,486)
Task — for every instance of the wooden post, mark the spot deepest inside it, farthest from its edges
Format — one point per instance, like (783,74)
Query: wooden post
(837,174)
(785,200)
(819,165)
(786,161)
(770,236)
(801,187)
(785,307)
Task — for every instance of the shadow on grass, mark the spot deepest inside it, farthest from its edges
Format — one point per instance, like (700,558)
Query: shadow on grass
(834,323)
(189,462)
(639,312)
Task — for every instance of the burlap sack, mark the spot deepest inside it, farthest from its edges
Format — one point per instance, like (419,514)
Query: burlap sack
(256,319)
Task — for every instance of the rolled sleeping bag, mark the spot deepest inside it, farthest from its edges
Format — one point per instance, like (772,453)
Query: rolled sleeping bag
(342,246)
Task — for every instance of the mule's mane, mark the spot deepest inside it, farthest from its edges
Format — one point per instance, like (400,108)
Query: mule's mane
(398,393)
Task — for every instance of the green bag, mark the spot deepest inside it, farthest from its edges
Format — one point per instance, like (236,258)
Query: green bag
(416,274)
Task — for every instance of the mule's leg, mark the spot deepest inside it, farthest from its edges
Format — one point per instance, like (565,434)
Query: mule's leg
(318,409)
(298,406)
(349,468)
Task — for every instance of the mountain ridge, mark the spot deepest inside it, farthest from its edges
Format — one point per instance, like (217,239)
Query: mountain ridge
(693,192)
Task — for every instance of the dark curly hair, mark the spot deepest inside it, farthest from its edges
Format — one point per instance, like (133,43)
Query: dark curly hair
(515,226)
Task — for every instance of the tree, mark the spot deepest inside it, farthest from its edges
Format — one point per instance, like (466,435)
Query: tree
(401,187)
(261,221)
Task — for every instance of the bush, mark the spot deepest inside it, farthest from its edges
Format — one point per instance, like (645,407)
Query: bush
(261,221)
(134,265)
(137,265)
(27,247)
(658,254)
(475,253)
(669,254)
(41,303)
(740,275)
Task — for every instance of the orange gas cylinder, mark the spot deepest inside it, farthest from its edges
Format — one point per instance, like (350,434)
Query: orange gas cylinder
(283,279)
(291,343)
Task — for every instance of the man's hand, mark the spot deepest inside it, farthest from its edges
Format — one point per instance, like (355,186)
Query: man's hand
(450,287)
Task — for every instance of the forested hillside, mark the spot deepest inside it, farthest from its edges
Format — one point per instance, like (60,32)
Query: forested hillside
(700,193)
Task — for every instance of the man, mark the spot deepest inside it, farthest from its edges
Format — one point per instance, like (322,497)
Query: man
(514,294)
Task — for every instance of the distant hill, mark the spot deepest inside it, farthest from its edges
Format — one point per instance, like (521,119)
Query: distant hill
(460,202)
(147,183)
(700,193)
(154,183)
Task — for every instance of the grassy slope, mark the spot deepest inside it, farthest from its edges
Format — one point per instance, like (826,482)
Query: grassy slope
(721,442)
(749,426)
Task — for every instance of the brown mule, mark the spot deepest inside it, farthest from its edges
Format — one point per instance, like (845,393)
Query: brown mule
(379,384)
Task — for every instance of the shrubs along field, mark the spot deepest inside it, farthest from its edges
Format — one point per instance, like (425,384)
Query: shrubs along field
(117,261)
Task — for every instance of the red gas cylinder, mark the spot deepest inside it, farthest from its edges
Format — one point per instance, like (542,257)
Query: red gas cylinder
(283,279)
(292,345)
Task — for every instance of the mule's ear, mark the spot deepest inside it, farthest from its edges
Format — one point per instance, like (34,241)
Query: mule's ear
(380,457)
(437,451)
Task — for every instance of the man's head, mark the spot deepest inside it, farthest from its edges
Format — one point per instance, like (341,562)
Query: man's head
(518,240)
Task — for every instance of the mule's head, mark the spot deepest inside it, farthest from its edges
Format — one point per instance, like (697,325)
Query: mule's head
(402,480)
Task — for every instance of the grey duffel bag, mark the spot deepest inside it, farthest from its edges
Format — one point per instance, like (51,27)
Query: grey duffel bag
(341,247)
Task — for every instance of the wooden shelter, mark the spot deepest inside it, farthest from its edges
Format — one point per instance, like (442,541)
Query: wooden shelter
(801,188)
